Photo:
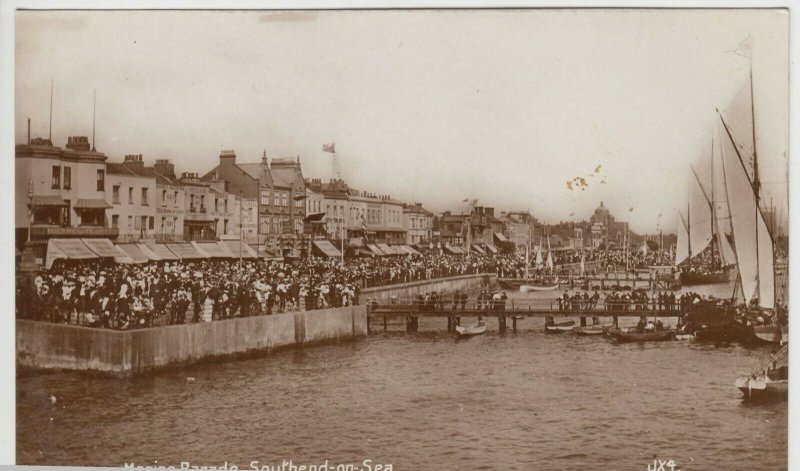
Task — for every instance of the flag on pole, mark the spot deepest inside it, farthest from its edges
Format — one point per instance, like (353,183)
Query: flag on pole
(331,148)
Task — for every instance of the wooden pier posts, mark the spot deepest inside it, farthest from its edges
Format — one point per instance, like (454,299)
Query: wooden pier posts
(616,321)
(412,323)
(501,323)
(583,321)
(514,323)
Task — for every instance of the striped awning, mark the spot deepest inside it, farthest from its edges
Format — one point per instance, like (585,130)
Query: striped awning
(73,249)
(185,251)
(374,249)
(213,249)
(478,249)
(161,251)
(500,237)
(134,252)
(91,204)
(48,200)
(104,248)
(327,248)
(409,250)
(386,249)
(491,248)
(234,245)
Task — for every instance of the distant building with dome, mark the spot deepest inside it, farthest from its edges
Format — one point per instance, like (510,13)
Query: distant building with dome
(605,230)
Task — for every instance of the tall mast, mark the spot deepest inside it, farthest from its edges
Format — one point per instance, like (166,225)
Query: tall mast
(714,236)
(50,131)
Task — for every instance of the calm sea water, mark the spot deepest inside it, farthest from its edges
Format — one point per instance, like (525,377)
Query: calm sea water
(524,400)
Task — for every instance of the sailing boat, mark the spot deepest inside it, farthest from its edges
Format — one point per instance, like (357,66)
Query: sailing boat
(545,281)
(703,231)
(754,253)
(769,382)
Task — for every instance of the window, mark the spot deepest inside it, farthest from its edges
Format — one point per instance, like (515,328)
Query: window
(175,203)
(138,225)
(163,223)
(264,197)
(130,223)
(225,226)
(163,197)
(115,221)
(152,223)
(67,178)
(216,205)
(202,202)
(115,194)
(226,206)
(191,202)
(285,199)
(144,197)
(101,180)
(264,225)
(56,177)
(130,195)
(174,224)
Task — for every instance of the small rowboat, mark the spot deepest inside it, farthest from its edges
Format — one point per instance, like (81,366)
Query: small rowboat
(622,336)
(466,331)
(539,286)
(591,330)
(684,336)
(559,328)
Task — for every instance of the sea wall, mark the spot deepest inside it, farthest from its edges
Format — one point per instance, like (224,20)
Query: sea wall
(441,286)
(44,346)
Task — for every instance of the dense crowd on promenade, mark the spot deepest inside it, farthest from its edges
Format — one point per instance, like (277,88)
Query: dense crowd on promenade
(124,296)
(105,294)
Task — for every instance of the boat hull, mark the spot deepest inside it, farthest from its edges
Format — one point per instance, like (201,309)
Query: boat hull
(768,334)
(635,337)
(468,331)
(560,328)
(721,276)
(527,288)
(762,388)
(590,331)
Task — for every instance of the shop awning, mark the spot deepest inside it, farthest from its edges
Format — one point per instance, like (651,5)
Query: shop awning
(134,252)
(104,248)
(500,237)
(161,251)
(91,204)
(185,251)
(327,248)
(315,217)
(492,249)
(70,249)
(478,249)
(233,246)
(46,200)
(410,250)
(453,250)
(374,249)
(212,250)
(386,249)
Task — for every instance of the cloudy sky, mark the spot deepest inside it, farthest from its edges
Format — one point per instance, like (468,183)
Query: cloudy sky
(502,106)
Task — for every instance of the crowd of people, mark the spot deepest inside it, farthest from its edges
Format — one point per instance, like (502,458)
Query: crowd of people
(105,294)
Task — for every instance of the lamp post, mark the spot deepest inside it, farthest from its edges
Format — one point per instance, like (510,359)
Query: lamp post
(28,259)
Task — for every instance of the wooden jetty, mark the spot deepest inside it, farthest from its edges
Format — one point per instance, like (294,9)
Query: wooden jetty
(411,312)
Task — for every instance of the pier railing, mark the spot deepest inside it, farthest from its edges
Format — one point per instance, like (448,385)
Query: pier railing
(528,305)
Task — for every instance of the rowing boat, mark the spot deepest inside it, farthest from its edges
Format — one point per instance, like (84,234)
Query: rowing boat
(466,331)
(559,328)
(622,336)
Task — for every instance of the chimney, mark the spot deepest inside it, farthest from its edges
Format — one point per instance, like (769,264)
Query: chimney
(78,143)
(227,157)
(134,162)
(165,167)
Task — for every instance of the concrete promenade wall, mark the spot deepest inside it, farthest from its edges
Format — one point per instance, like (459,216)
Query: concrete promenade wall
(441,286)
(44,346)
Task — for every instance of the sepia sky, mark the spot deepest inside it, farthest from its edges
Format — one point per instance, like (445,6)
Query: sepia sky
(502,106)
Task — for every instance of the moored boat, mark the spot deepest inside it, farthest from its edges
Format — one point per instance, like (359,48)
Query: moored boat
(543,285)
(591,330)
(770,382)
(466,331)
(721,275)
(622,336)
(559,328)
